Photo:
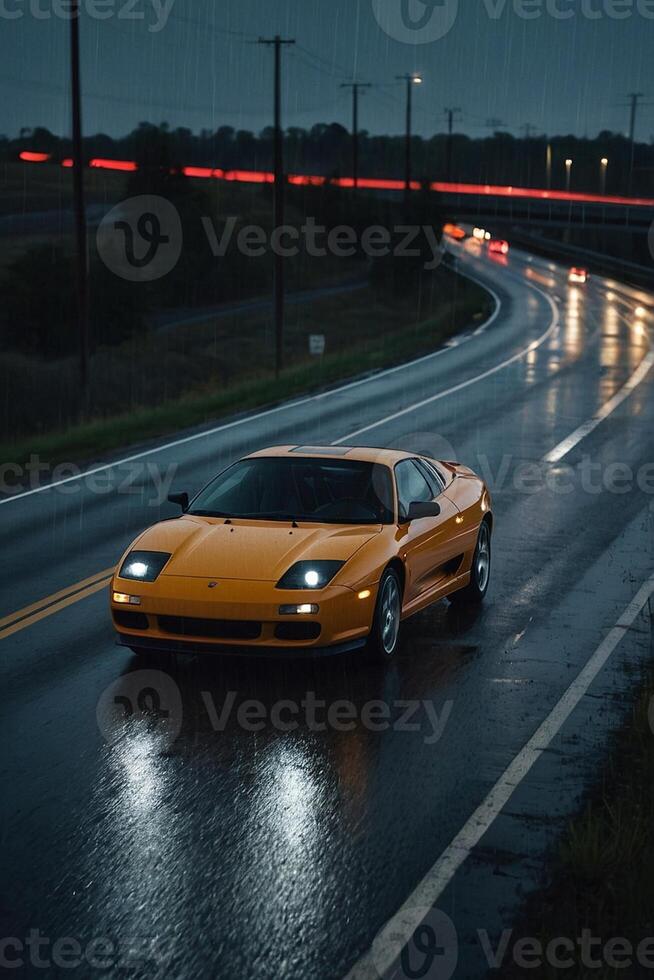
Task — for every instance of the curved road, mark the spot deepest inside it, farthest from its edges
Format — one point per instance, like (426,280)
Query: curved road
(202,839)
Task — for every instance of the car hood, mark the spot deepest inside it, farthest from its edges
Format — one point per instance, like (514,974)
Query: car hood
(255,550)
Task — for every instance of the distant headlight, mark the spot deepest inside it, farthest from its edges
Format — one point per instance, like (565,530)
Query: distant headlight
(310,574)
(143,566)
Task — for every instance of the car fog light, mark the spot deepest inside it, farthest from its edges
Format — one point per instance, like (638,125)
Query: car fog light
(131,600)
(306,609)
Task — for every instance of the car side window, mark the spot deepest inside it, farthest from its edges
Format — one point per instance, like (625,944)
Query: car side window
(433,476)
(411,486)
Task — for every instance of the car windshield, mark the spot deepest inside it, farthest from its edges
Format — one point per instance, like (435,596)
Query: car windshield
(314,490)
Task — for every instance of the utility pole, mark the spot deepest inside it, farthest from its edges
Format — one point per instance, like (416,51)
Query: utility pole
(80,210)
(278,207)
(410,80)
(450,112)
(356,88)
(635,98)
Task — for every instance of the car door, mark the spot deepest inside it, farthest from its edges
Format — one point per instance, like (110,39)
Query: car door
(428,544)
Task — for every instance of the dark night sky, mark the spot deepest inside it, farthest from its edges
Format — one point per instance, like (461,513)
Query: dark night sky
(563,76)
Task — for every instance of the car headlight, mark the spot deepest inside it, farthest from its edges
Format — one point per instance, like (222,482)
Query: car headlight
(143,566)
(310,574)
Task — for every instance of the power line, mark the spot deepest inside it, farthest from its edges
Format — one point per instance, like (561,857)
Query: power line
(207,25)
(495,124)
(328,67)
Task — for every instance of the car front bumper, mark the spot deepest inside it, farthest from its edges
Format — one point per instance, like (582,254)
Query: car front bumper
(199,614)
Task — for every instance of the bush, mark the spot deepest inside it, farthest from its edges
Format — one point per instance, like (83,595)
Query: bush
(39,310)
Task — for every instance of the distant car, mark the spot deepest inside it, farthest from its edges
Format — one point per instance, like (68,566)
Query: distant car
(307,548)
(454,231)
(499,246)
(577,275)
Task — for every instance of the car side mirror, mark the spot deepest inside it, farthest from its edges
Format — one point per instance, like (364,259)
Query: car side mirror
(420,509)
(179,498)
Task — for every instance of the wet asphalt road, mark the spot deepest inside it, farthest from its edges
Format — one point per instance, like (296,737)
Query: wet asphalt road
(182,843)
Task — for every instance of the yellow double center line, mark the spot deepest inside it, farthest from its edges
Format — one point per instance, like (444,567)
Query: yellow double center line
(53,603)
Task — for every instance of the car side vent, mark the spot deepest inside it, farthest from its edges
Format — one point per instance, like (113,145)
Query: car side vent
(452,566)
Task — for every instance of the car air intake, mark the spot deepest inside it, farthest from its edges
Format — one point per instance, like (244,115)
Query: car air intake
(130,620)
(215,629)
(297,631)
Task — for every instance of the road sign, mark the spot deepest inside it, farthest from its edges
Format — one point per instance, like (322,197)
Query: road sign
(317,343)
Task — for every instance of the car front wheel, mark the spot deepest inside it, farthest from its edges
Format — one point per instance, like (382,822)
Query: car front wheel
(480,572)
(384,636)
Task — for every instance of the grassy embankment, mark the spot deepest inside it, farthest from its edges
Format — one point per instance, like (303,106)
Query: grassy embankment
(601,877)
(158,382)
(167,382)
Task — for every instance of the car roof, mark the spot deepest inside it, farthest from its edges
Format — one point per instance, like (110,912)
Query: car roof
(368,454)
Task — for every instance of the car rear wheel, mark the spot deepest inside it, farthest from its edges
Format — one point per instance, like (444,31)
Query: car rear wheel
(384,636)
(480,572)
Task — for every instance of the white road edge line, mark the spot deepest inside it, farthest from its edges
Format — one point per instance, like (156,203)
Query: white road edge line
(432,886)
(269,411)
(464,384)
(568,444)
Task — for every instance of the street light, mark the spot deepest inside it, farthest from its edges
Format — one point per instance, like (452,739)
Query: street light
(410,80)
(568,174)
(604,162)
(548,166)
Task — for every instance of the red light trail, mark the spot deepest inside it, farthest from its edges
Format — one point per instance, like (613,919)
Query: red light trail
(368,183)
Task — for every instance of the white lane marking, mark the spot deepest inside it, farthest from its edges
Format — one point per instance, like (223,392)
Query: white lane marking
(432,886)
(425,357)
(464,384)
(259,415)
(498,304)
(568,444)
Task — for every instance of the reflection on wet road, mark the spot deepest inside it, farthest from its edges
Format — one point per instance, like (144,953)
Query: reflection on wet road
(207,817)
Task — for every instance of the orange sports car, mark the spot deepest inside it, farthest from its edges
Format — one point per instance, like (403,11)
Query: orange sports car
(306,549)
